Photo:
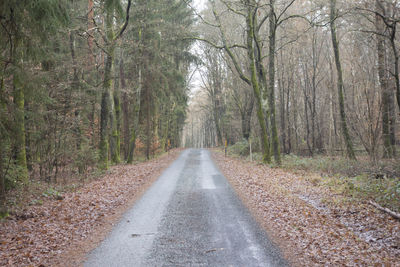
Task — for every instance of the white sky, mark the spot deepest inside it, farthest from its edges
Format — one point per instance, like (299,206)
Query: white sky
(199,4)
(196,82)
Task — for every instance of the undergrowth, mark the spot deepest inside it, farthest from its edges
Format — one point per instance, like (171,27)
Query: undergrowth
(360,180)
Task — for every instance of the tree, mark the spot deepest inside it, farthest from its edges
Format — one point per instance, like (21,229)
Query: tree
(108,110)
(388,135)
(335,44)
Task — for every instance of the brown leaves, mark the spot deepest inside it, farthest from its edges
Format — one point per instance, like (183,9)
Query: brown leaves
(42,233)
(312,232)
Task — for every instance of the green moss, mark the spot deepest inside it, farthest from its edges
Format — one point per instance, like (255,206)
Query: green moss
(4,214)
(103,155)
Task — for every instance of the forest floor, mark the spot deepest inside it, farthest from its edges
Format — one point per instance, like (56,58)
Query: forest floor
(313,224)
(59,227)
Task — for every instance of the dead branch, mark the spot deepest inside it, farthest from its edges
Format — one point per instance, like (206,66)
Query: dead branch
(390,212)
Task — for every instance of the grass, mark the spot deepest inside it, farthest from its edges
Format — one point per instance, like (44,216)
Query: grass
(360,180)
(357,180)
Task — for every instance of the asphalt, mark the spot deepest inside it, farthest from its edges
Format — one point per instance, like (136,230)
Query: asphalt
(189,217)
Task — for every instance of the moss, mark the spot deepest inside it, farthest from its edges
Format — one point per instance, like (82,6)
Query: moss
(116,158)
(4,214)
(103,155)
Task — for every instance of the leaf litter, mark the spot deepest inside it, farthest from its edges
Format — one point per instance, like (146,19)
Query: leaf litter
(61,232)
(310,224)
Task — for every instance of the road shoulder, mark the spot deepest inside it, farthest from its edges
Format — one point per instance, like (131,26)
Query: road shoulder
(308,231)
(62,232)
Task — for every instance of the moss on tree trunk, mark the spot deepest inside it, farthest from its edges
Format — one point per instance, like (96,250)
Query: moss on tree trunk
(335,44)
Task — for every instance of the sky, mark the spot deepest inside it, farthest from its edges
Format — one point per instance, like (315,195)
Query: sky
(195,82)
(199,4)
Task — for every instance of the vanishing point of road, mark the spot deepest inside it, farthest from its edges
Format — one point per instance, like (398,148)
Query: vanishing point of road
(189,217)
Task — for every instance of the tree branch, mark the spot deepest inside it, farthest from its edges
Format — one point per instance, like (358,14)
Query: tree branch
(123,28)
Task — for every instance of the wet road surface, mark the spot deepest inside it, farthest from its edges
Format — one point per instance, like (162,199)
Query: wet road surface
(189,217)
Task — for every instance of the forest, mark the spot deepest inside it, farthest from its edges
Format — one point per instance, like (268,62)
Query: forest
(293,99)
(85,84)
(301,84)
(303,77)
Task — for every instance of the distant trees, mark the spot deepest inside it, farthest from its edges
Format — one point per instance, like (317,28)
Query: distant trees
(335,96)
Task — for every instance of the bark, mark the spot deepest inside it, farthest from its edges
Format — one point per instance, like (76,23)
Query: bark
(217,121)
(393,30)
(255,85)
(75,87)
(148,120)
(396,64)
(392,108)
(3,206)
(90,27)
(246,118)
(215,95)
(271,100)
(335,44)
(289,126)
(116,135)
(2,150)
(385,91)
(282,113)
(105,114)
(20,146)
(125,109)
(136,111)
(306,115)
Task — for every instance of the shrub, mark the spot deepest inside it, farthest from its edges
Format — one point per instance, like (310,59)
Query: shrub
(241,148)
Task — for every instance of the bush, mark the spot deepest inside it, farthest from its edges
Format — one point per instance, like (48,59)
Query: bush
(13,172)
(86,157)
(241,148)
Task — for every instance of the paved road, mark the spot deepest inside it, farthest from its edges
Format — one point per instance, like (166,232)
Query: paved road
(189,217)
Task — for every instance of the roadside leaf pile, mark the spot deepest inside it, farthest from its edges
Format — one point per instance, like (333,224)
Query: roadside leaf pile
(309,223)
(44,233)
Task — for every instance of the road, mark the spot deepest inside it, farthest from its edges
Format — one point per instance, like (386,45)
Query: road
(189,217)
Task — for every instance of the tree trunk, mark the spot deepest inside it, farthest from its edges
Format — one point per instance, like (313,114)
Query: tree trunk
(335,44)
(282,113)
(90,29)
(289,126)
(148,120)
(105,114)
(246,118)
(217,116)
(125,110)
(116,132)
(3,208)
(255,85)
(136,111)
(271,59)
(19,145)
(385,91)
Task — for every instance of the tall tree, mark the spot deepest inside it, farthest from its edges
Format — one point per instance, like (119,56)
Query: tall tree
(111,8)
(387,113)
(339,73)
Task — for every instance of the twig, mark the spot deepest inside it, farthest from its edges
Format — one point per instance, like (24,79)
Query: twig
(390,212)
